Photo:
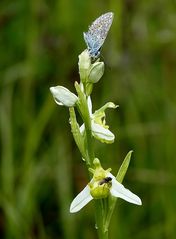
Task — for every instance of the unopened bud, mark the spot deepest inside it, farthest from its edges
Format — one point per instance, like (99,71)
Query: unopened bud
(96,72)
(84,65)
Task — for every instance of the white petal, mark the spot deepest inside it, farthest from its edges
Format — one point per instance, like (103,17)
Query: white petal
(81,200)
(102,134)
(82,128)
(118,190)
(63,96)
(89,103)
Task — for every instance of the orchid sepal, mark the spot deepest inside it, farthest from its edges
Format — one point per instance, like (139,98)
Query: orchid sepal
(62,96)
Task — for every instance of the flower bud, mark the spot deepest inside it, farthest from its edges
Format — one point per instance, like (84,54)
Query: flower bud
(96,72)
(63,96)
(84,65)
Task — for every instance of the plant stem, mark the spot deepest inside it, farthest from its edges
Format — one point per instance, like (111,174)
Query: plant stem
(89,140)
(83,108)
(90,151)
(99,204)
(100,217)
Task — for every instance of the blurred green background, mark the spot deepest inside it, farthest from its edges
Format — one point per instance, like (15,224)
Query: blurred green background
(40,167)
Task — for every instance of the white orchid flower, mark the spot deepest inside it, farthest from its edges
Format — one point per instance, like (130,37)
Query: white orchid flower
(102,185)
(98,124)
(63,96)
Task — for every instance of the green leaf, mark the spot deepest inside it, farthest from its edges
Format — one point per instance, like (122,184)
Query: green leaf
(123,168)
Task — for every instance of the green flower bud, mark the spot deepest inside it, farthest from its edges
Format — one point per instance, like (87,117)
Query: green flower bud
(96,72)
(84,65)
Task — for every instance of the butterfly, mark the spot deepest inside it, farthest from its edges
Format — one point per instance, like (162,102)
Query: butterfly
(97,34)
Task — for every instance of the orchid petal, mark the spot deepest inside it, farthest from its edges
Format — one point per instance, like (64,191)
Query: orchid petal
(82,128)
(118,190)
(102,134)
(101,111)
(81,200)
(63,96)
(89,103)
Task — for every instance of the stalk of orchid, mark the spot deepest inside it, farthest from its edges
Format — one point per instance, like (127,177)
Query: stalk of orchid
(103,188)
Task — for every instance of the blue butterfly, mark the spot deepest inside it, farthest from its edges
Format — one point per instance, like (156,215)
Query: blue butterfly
(97,34)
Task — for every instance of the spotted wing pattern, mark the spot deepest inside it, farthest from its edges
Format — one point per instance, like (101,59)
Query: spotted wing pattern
(97,33)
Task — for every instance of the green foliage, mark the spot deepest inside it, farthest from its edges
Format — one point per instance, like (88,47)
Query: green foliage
(39,163)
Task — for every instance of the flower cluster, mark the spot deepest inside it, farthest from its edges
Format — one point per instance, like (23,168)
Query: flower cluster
(103,184)
(89,74)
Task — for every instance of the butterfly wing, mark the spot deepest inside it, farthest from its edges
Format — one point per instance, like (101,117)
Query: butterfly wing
(93,43)
(97,33)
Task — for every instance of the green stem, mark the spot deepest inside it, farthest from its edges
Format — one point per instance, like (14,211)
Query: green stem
(99,204)
(100,208)
(90,150)
(112,203)
(100,217)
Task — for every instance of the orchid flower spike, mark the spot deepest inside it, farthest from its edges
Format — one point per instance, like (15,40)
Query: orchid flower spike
(101,186)
(98,124)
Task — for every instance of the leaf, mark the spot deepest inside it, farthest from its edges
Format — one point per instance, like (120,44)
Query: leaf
(123,168)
